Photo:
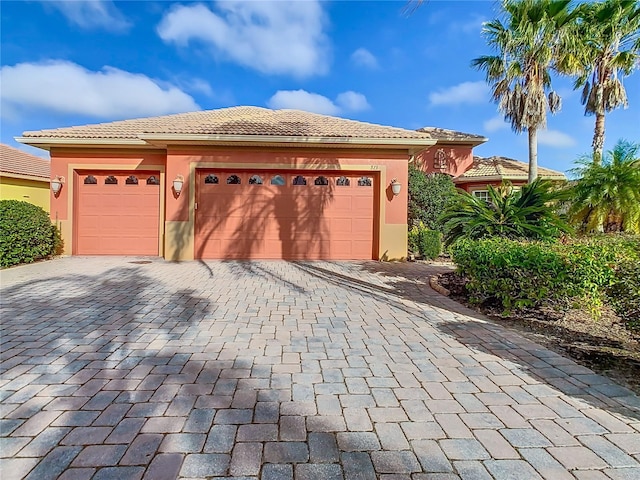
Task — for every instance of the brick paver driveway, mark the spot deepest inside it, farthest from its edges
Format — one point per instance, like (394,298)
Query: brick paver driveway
(125,369)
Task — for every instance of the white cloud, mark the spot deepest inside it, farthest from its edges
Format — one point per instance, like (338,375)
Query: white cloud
(364,58)
(352,101)
(67,88)
(463,93)
(494,124)
(313,102)
(555,138)
(90,14)
(269,36)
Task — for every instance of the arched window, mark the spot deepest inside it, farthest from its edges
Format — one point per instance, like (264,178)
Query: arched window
(111,180)
(364,182)
(211,179)
(343,182)
(321,181)
(299,180)
(277,180)
(255,180)
(131,180)
(90,180)
(153,180)
(233,180)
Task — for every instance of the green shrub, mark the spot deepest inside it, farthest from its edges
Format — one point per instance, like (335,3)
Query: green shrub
(591,271)
(424,242)
(26,233)
(429,195)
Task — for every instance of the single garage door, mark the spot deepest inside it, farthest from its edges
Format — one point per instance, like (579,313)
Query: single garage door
(117,213)
(288,214)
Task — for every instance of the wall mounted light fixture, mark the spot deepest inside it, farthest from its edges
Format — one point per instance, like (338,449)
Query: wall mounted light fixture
(56,185)
(178,182)
(396,187)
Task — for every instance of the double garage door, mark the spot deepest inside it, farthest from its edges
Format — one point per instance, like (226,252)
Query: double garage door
(117,213)
(284,214)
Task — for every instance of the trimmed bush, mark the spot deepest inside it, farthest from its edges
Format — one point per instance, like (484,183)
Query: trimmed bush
(26,233)
(521,274)
(425,242)
(429,195)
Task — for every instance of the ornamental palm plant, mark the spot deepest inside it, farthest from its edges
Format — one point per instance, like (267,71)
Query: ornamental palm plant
(525,214)
(606,196)
(527,45)
(605,48)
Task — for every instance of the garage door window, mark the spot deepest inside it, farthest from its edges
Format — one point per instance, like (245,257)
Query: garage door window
(321,181)
(233,180)
(255,180)
(111,180)
(211,180)
(131,180)
(343,182)
(153,180)
(364,182)
(90,180)
(278,181)
(299,180)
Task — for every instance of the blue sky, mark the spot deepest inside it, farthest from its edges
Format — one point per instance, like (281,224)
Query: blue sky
(76,62)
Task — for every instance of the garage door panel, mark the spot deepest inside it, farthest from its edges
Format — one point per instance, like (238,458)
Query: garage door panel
(117,219)
(283,221)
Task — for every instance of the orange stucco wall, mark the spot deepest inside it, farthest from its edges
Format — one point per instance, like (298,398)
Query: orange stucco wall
(177,212)
(458,159)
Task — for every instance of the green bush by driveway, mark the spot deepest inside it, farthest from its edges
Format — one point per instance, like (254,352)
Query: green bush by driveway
(590,271)
(26,233)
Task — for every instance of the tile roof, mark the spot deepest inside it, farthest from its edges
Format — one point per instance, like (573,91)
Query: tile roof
(443,134)
(503,168)
(234,121)
(18,162)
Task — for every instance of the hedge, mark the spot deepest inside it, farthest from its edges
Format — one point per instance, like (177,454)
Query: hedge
(26,233)
(521,274)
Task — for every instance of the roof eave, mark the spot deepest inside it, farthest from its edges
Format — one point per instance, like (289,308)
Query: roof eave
(473,142)
(20,176)
(488,178)
(163,140)
(46,143)
(150,140)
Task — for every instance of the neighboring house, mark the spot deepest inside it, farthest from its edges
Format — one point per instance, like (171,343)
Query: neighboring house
(495,170)
(241,182)
(24,177)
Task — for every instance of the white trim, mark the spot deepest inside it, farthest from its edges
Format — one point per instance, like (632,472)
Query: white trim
(155,140)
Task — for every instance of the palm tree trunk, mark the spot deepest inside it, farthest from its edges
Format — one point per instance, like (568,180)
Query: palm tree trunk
(598,139)
(533,154)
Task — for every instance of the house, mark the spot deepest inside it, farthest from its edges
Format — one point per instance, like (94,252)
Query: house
(237,183)
(24,177)
(495,170)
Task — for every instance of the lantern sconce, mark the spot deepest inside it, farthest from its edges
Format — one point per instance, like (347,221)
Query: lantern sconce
(56,185)
(178,182)
(396,187)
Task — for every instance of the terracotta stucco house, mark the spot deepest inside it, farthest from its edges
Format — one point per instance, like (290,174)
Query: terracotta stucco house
(495,170)
(240,182)
(24,177)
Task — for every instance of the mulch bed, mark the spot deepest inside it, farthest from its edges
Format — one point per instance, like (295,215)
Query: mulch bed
(603,345)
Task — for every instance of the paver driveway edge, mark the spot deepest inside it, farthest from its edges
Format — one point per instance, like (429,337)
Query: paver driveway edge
(141,368)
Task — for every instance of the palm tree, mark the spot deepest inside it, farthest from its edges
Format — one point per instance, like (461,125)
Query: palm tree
(527,45)
(607,48)
(606,196)
(525,214)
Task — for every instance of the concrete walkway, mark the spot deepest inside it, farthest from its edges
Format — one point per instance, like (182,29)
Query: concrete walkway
(124,368)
